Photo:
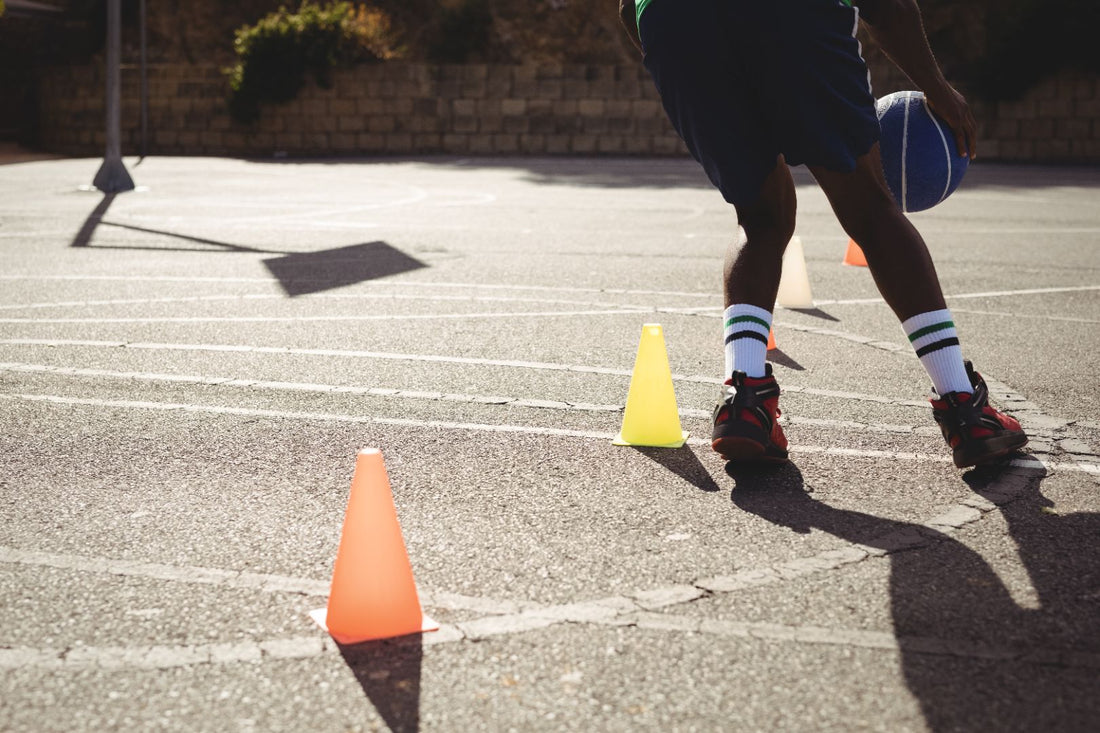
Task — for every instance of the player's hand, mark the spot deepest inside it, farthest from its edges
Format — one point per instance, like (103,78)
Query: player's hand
(952,107)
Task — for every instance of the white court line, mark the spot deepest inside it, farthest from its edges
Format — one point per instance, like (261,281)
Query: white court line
(299,387)
(1062,319)
(159,657)
(316,296)
(491,428)
(433,359)
(238,579)
(986,294)
(331,319)
(389,283)
(240,348)
(635,609)
(499,286)
(416,195)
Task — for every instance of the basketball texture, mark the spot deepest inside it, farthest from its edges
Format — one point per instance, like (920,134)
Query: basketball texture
(919,156)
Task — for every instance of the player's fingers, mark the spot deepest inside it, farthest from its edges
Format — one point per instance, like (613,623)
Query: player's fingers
(972,134)
(962,141)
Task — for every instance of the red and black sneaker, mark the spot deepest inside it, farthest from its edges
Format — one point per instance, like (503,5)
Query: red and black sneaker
(975,431)
(746,426)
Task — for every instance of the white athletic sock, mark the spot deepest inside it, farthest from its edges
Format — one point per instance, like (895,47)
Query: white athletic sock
(747,329)
(937,345)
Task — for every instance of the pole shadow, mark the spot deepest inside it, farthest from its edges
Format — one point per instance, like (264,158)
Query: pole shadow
(971,656)
(684,463)
(389,673)
(298,273)
(87,229)
(222,246)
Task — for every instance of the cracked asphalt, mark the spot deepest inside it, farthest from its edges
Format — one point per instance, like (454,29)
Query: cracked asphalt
(187,372)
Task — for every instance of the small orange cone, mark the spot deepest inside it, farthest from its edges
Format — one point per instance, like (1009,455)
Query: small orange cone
(373,593)
(771,339)
(854,255)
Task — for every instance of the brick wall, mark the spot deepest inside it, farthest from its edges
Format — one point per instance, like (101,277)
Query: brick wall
(551,109)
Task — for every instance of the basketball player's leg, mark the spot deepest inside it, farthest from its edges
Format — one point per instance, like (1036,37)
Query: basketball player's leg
(903,270)
(753,266)
(691,53)
(896,254)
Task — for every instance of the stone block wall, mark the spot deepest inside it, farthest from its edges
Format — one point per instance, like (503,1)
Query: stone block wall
(552,109)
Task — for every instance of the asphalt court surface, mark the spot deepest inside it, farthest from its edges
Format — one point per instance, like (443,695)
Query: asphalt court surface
(188,370)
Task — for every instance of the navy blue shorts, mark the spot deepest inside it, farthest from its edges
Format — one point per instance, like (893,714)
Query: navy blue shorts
(744,81)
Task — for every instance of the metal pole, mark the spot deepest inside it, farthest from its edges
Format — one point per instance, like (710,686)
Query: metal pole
(112,175)
(144,88)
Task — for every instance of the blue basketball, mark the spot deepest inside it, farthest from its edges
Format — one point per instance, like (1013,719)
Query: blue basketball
(919,155)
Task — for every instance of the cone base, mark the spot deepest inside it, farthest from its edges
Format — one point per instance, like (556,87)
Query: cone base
(320,615)
(795,304)
(619,440)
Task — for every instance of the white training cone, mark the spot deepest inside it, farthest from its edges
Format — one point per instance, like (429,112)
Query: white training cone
(794,285)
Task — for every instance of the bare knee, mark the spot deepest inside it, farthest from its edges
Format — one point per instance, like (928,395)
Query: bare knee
(862,201)
(769,221)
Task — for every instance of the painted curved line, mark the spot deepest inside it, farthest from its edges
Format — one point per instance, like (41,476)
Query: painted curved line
(946,150)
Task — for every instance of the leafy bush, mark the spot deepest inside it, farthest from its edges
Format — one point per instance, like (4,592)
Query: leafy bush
(1029,40)
(460,33)
(278,53)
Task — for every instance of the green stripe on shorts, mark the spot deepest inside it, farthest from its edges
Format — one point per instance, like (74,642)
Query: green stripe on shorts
(639,6)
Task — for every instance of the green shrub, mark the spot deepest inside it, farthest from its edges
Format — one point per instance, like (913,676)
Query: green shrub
(460,32)
(1030,40)
(282,49)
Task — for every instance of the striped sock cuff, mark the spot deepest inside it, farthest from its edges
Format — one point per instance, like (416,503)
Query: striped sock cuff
(934,339)
(746,332)
(747,321)
(930,332)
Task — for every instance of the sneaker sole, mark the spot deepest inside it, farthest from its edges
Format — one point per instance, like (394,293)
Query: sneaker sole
(746,450)
(991,450)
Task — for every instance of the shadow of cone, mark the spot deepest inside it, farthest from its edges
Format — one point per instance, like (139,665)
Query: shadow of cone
(373,594)
(794,285)
(651,418)
(854,255)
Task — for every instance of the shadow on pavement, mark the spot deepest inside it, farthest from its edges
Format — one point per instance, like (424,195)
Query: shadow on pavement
(83,237)
(302,273)
(389,673)
(87,229)
(972,657)
(299,273)
(816,313)
(684,463)
(780,357)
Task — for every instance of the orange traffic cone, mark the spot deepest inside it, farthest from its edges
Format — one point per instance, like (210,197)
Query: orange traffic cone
(373,594)
(854,255)
(771,339)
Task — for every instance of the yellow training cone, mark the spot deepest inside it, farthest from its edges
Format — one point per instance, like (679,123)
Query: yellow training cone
(794,285)
(651,418)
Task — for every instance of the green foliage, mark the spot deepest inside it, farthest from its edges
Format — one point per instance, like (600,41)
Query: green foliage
(460,32)
(1030,40)
(2,8)
(283,49)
